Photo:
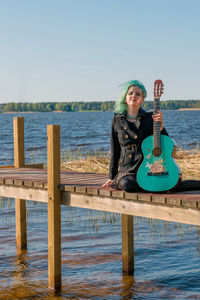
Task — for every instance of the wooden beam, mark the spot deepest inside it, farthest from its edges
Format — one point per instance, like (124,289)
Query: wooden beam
(36,165)
(39,195)
(20,205)
(54,208)
(8,166)
(185,215)
(127,244)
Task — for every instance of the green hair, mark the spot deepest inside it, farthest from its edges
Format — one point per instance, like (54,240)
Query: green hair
(120,104)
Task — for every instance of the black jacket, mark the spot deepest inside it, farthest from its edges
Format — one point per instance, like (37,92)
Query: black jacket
(126,141)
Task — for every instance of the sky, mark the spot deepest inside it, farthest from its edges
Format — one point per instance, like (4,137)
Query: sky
(83,50)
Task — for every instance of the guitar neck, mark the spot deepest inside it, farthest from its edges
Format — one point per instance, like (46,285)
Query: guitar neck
(156,125)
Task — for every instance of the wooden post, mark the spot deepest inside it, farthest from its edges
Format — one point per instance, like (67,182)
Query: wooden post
(54,207)
(18,129)
(20,204)
(127,244)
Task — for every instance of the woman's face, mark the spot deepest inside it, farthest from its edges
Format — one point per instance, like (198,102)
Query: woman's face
(134,97)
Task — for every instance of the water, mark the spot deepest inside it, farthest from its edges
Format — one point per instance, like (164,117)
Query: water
(167,261)
(86,132)
(80,132)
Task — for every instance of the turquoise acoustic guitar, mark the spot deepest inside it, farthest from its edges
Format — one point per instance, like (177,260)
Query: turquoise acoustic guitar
(158,171)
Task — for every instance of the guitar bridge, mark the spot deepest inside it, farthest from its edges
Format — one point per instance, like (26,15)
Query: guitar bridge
(157,173)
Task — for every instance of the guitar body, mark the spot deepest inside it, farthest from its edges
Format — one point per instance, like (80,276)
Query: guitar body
(158,173)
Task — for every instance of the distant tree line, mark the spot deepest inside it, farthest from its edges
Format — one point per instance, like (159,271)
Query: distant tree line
(173,104)
(56,106)
(90,106)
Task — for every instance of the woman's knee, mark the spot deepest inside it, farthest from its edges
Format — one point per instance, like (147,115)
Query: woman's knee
(128,184)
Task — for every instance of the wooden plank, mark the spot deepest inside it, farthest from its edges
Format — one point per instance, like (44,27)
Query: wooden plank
(9,181)
(23,192)
(159,199)
(105,192)
(92,191)
(127,244)
(173,201)
(145,197)
(118,194)
(28,183)
(37,165)
(54,209)
(38,184)
(69,188)
(185,215)
(18,182)
(173,213)
(9,166)
(39,177)
(131,196)
(20,204)
(81,189)
(88,179)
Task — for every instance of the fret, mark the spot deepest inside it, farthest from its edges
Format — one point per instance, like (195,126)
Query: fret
(158,90)
(156,125)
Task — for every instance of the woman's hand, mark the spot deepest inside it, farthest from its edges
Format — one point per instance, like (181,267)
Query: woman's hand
(159,118)
(108,183)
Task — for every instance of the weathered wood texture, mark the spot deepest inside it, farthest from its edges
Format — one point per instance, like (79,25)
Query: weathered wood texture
(38,166)
(18,131)
(91,183)
(84,190)
(142,208)
(20,204)
(127,244)
(34,194)
(54,207)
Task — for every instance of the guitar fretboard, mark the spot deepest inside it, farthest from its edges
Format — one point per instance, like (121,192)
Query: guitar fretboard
(156,125)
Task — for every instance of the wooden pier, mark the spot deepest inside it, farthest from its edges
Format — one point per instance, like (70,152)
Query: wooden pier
(31,182)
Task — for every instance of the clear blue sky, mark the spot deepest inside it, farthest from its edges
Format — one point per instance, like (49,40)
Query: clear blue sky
(73,50)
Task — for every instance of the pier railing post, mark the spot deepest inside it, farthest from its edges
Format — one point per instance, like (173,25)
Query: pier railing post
(127,244)
(54,207)
(20,204)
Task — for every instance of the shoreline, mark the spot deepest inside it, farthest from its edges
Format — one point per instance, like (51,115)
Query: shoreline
(188,109)
(60,111)
(53,111)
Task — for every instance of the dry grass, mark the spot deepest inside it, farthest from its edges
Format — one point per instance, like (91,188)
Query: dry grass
(188,161)
(88,164)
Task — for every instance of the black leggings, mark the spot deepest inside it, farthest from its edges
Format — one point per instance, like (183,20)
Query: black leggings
(128,183)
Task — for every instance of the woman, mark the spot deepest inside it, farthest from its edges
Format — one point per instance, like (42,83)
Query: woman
(130,126)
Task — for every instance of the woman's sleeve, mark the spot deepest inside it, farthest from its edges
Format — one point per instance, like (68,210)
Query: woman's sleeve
(115,152)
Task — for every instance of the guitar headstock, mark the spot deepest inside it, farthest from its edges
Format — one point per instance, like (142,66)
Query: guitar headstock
(158,88)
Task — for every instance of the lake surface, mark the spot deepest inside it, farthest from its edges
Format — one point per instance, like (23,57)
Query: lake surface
(86,132)
(167,255)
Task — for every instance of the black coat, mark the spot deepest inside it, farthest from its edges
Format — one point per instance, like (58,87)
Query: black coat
(126,141)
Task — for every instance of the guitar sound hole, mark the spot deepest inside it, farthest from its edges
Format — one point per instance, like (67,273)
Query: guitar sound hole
(156,152)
